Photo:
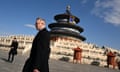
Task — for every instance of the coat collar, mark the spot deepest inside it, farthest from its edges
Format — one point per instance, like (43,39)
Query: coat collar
(44,29)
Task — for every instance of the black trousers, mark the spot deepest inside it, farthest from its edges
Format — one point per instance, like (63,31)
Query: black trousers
(11,57)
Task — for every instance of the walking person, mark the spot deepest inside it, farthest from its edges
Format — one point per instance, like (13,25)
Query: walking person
(39,55)
(13,50)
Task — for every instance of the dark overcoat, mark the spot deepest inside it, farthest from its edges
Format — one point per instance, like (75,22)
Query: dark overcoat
(39,53)
(14,46)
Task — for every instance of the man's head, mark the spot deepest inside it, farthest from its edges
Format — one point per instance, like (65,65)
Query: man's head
(15,39)
(40,23)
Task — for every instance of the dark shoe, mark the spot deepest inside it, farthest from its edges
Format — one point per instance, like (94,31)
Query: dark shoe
(11,61)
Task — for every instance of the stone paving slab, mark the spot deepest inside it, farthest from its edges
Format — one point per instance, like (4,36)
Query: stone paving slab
(55,66)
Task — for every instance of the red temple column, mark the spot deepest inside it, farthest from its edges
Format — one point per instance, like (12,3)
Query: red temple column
(77,55)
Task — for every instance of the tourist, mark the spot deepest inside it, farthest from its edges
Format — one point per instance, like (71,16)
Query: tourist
(13,50)
(39,56)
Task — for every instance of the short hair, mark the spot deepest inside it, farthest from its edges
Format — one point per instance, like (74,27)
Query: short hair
(38,18)
(14,37)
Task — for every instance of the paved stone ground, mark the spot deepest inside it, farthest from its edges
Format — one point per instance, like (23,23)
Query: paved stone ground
(55,66)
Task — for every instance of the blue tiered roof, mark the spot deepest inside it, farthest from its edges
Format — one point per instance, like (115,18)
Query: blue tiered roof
(66,25)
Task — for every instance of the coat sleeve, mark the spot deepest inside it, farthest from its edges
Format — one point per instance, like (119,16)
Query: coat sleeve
(46,45)
(37,56)
(12,44)
(46,41)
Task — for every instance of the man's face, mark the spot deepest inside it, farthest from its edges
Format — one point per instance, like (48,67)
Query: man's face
(40,24)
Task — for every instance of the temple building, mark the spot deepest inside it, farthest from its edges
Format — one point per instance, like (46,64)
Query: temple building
(65,30)
(65,26)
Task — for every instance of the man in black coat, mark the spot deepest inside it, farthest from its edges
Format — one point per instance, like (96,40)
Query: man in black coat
(13,50)
(38,60)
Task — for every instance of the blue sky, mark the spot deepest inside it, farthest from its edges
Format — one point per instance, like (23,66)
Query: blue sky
(99,18)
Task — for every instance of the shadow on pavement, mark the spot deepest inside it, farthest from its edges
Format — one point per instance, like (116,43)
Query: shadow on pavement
(4,59)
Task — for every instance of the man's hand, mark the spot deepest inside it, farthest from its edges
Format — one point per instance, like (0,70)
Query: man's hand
(36,70)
